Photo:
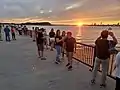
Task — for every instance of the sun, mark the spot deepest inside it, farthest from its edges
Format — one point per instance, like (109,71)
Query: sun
(79,23)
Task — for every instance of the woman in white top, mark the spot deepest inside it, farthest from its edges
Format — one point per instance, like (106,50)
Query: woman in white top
(117,67)
(46,40)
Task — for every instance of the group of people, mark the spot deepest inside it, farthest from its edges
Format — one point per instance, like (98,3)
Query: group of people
(11,30)
(7,31)
(66,42)
(61,42)
(22,30)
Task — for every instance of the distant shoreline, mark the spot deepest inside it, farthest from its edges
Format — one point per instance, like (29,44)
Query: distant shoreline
(50,24)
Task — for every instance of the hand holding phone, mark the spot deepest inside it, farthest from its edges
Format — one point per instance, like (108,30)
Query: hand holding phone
(111,34)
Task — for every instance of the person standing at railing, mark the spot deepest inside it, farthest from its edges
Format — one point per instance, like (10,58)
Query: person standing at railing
(103,55)
(117,69)
(70,45)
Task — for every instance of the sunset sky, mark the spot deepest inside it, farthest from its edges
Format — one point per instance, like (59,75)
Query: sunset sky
(60,11)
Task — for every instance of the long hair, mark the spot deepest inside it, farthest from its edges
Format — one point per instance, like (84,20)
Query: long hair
(63,33)
(58,33)
(52,30)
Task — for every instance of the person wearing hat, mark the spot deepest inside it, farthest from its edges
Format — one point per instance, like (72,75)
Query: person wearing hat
(102,56)
(70,45)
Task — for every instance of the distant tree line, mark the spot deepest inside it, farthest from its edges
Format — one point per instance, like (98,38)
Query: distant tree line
(28,23)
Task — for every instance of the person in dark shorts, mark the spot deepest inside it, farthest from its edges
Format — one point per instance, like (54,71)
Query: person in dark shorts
(52,38)
(40,43)
(70,44)
(58,45)
(102,56)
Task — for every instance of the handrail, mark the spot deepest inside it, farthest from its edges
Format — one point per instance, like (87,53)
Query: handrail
(86,55)
(93,46)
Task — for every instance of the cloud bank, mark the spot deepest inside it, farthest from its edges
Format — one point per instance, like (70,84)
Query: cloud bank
(60,11)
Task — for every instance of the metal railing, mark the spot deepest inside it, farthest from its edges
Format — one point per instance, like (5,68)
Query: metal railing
(86,55)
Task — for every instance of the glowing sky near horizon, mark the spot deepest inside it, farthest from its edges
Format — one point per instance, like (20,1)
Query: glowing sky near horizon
(60,11)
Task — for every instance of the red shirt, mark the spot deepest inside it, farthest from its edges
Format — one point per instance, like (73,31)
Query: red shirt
(12,30)
(70,42)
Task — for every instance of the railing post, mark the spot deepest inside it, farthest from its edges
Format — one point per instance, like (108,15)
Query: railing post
(94,56)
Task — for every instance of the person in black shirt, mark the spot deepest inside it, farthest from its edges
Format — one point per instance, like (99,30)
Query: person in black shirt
(58,45)
(52,38)
(40,43)
(103,55)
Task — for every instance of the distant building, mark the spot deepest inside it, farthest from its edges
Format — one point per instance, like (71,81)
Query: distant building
(101,23)
(95,24)
(118,24)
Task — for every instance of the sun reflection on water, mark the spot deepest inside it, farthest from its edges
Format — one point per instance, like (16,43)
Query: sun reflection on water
(79,34)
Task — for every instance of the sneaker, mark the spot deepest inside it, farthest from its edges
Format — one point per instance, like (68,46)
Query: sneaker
(51,50)
(69,68)
(92,82)
(67,64)
(62,58)
(39,56)
(56,62)
(102,85)
(59,61)
(33,40)
(43,58)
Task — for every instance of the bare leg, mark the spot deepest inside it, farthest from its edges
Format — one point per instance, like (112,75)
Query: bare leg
(39,50)
(39,54)
(70,58)
(52,45)
(70,55)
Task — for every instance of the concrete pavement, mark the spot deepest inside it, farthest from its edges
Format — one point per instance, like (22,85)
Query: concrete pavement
(20,69)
